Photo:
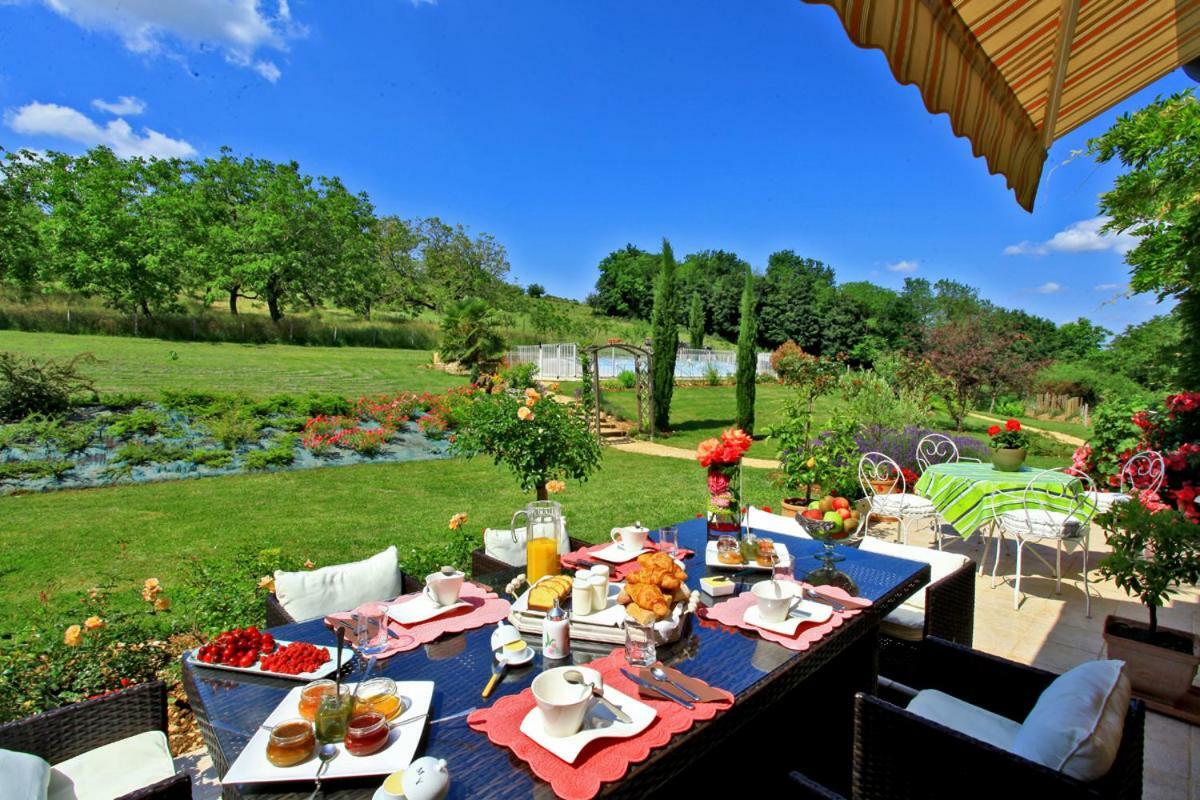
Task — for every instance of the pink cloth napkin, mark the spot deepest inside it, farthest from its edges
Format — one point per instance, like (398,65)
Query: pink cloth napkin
(486,608)
(617,572)
(732,611)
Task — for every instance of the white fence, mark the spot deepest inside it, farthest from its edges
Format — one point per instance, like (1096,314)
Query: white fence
(560,362)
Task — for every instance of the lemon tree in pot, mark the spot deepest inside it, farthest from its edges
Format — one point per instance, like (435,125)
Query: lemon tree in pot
(1155,550)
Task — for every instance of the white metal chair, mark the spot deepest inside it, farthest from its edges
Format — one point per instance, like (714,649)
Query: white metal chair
(938,448)
(1145,470)
(875,468)
(1067,530)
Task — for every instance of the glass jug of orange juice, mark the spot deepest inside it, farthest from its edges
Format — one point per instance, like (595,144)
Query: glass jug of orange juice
(543,528)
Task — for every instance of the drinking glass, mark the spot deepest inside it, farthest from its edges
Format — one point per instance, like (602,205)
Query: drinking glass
(639,644)
(668,537)
(370,628)
(783,570)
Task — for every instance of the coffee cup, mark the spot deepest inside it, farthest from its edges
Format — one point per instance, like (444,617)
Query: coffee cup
(563,705)
(442,587)
(775,599)
(630,538)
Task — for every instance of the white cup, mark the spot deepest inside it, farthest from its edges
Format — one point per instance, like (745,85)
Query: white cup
(775,599)
(563,705)
(442,588)
(631,539)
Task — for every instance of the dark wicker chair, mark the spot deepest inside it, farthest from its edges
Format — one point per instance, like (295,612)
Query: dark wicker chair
(277,615)
(900,755)
(72,730)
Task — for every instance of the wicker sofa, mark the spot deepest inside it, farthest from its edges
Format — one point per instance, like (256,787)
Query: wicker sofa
(70,731)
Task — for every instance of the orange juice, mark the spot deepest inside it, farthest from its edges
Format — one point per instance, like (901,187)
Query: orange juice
(541,557)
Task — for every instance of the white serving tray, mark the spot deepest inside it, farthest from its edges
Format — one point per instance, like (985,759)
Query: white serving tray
(328,668)
(711,560)
(252,766)
(607,626)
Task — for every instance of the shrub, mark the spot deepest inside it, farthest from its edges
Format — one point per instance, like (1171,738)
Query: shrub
(365,442)
(1090,383)
(712,375)
(120,401)
(874,402)
(212,458)
(280,452)
(34,469)
(1010,408)
(28,386)
(139,422)
(520,376)
(627,379)
(136,454)
(232,430)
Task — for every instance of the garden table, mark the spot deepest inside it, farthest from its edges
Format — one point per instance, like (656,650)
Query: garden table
(807,691)
(968,495)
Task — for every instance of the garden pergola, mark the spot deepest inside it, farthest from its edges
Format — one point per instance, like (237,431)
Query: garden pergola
(1015,75)
(643,359)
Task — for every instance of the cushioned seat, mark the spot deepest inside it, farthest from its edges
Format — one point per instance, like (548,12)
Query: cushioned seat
(1042,523)
(114,769)
(908,620)
(895,505)
(315,593)
(959,715)
(1104,501)
(767,522)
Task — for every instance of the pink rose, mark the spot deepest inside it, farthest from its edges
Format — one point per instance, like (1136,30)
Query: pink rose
(717,481)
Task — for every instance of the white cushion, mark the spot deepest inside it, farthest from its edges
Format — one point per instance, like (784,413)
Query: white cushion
(113,770)
(906,622)
(761,520)
(317,592)
(959,715)
(24,776)
(1076,725)
(498,544)
(895,505)
(1041,523)
(1104,501)
(940,562)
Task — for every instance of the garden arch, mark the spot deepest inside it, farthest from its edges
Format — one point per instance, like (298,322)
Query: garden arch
(643,359)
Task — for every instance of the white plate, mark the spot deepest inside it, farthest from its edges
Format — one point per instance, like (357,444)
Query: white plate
(598,724)
(518,658)
(710,558)
(615,554)
(327,668)
(817,612)
(421,609)
(252,765)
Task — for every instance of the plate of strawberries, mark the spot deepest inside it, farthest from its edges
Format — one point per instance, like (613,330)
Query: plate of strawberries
(258,652)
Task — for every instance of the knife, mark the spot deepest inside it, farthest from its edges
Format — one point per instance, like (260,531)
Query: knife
(648,685)
(816,597)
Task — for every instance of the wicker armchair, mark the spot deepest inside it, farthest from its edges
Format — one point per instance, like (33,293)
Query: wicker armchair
(277,615)
(66,732)
(900,755)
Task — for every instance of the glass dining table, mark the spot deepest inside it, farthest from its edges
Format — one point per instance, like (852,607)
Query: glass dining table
(793,710)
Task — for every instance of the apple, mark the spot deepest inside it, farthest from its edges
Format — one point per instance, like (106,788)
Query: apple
(833,516)
(813,513)
(840,503)
(844,512)
(815,505)
(827,504)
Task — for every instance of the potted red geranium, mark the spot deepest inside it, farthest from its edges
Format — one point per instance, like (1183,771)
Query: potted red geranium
(1008,445)
(723,459)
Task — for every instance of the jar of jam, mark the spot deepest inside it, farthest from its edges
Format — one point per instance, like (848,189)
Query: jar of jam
(292,742)
(310,697)
(367,733)
(333,714)
(766,555)
(379,694)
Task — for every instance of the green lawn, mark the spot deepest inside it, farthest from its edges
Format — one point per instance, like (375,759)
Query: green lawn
(65,542)
(146,366)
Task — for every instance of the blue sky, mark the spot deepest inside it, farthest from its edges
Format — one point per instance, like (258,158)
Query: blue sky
(568,129)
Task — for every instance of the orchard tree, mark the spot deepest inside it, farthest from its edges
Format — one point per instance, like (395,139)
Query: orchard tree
(666,338)
(22,242)
(1158,201)
(747,357)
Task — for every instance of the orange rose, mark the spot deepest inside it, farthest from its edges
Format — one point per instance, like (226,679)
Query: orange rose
(736,437)
(554,487)
(73,636)
(93,622)
(164,602)
(707,450)
(524,413)
(457,521)
(266,582)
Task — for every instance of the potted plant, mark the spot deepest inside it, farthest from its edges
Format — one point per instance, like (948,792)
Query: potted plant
(1155,549)
(1008,445)
(812,377)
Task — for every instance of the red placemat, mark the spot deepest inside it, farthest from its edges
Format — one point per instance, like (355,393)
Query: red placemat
(731,612)
(486,608)
(601,761)
(617,572)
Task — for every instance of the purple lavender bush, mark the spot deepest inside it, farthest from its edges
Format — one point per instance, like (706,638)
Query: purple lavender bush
(901,445)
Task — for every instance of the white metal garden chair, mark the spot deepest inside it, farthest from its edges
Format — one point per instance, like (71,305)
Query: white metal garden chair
(877,468)
(1032,524)
(938,448)
(1145,470)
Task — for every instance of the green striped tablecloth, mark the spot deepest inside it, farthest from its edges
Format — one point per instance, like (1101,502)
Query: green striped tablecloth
(966,494)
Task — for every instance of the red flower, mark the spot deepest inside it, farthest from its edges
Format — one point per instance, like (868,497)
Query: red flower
(1013,425)
(738,439)
(992,431)
(767,509)
(708,451)
(717,481)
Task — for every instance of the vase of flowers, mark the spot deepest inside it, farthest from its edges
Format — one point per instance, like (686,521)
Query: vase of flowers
(1008,446)
(722,458)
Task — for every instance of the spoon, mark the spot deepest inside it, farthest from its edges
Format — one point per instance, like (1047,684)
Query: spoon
(341,641)
(574,676)
(661,675)
(365,677)
(326,754)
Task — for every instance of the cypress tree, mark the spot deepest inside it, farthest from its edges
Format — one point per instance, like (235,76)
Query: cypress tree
(666,338)
(747,358)
(696,321)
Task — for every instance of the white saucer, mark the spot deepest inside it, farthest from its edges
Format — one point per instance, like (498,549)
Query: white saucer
(816,612)
(518,658)
(603,725)
(615,554)
(421,609)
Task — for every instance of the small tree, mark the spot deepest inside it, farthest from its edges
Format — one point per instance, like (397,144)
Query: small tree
(696,321)
(539,439)
(469,334)
(535,290)
(964,352)
(666,338)
(747,359)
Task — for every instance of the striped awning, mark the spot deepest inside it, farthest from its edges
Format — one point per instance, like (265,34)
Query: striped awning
(1014,75)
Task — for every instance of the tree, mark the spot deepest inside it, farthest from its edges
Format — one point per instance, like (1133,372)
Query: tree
(747,358)
(666,338)
(626,283)
(796,293)
(1147,353)
(1158,201)
(535,290)
(718,276)
(22,243)
(1079,339)
(696,321)
(469,334)
(963,352)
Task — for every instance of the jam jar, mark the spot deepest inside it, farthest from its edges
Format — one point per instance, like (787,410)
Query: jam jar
(379,694)
(292,742)
(310,697)
(367,733)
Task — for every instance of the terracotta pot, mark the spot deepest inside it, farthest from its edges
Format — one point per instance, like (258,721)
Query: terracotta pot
(1155,671)
(791,505)
(1007,459)
(889,486)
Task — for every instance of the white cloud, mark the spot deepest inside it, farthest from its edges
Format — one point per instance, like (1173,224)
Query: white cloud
(49,119)
(126,106)
(1050,287)
(1110,287)
(903,266)
(239,29)
(1084,236)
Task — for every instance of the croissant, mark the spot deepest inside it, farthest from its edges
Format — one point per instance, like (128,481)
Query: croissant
(650,598)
